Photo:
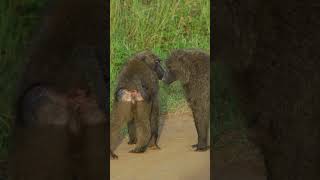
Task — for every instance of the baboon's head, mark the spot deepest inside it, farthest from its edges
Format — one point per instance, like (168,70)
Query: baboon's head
(152,61)
(177,69)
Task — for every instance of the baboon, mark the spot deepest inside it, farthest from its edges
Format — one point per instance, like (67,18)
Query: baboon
(60,128)
(270,49)
(155,109)
(137,102)
(192,68)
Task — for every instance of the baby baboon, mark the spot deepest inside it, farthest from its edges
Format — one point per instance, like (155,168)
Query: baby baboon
(60,128)
(192,68)
(137,102)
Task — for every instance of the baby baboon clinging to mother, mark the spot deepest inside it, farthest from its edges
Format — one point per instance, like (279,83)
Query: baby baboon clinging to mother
(192,68)
(137,102)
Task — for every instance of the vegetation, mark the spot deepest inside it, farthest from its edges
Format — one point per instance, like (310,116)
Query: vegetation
(16,21)
(158,25)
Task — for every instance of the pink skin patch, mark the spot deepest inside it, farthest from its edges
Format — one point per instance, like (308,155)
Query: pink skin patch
(131,96)
(136,96)
(126,96)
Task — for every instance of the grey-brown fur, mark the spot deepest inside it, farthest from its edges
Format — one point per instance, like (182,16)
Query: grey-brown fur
(60,128)
(192,68)
(155,105)
(141,74)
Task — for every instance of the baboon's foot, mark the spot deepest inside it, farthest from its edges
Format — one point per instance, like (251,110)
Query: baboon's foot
(138,150)
(132,141)
(113,156)
(201,148)
(194,145)
(154,147)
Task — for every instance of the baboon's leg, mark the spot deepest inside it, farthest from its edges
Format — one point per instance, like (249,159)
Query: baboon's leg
(197,128)
(155,124)
(202,124)
(40,139)
(120,115)
(113,155)
(94,143)
(209,133)
(132,132)
(142,117)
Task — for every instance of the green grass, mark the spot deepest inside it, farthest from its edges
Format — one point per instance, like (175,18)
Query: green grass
(158,25)
(16,21)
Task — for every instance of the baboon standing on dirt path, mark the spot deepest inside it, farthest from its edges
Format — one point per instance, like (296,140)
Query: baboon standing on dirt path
(192,68)
(136,99)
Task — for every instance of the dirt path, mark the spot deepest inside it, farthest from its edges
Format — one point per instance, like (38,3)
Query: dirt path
(233,159)
(175,161)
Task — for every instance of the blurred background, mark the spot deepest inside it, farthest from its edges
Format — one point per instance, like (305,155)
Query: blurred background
(135,25)
(17,19)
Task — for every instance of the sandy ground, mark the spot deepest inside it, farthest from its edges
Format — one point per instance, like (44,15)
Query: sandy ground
(176,160)
(232,160)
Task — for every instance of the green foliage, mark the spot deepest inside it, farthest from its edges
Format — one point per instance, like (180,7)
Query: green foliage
(158,25)
(16,21)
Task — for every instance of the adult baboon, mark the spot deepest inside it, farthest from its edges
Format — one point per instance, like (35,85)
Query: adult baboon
(60,128)
(136,99)
(192,68)
(155,109)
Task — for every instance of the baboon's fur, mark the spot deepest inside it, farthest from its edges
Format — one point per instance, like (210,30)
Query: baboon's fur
(140,77)
(156,105)
(192,68)
(61,122)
